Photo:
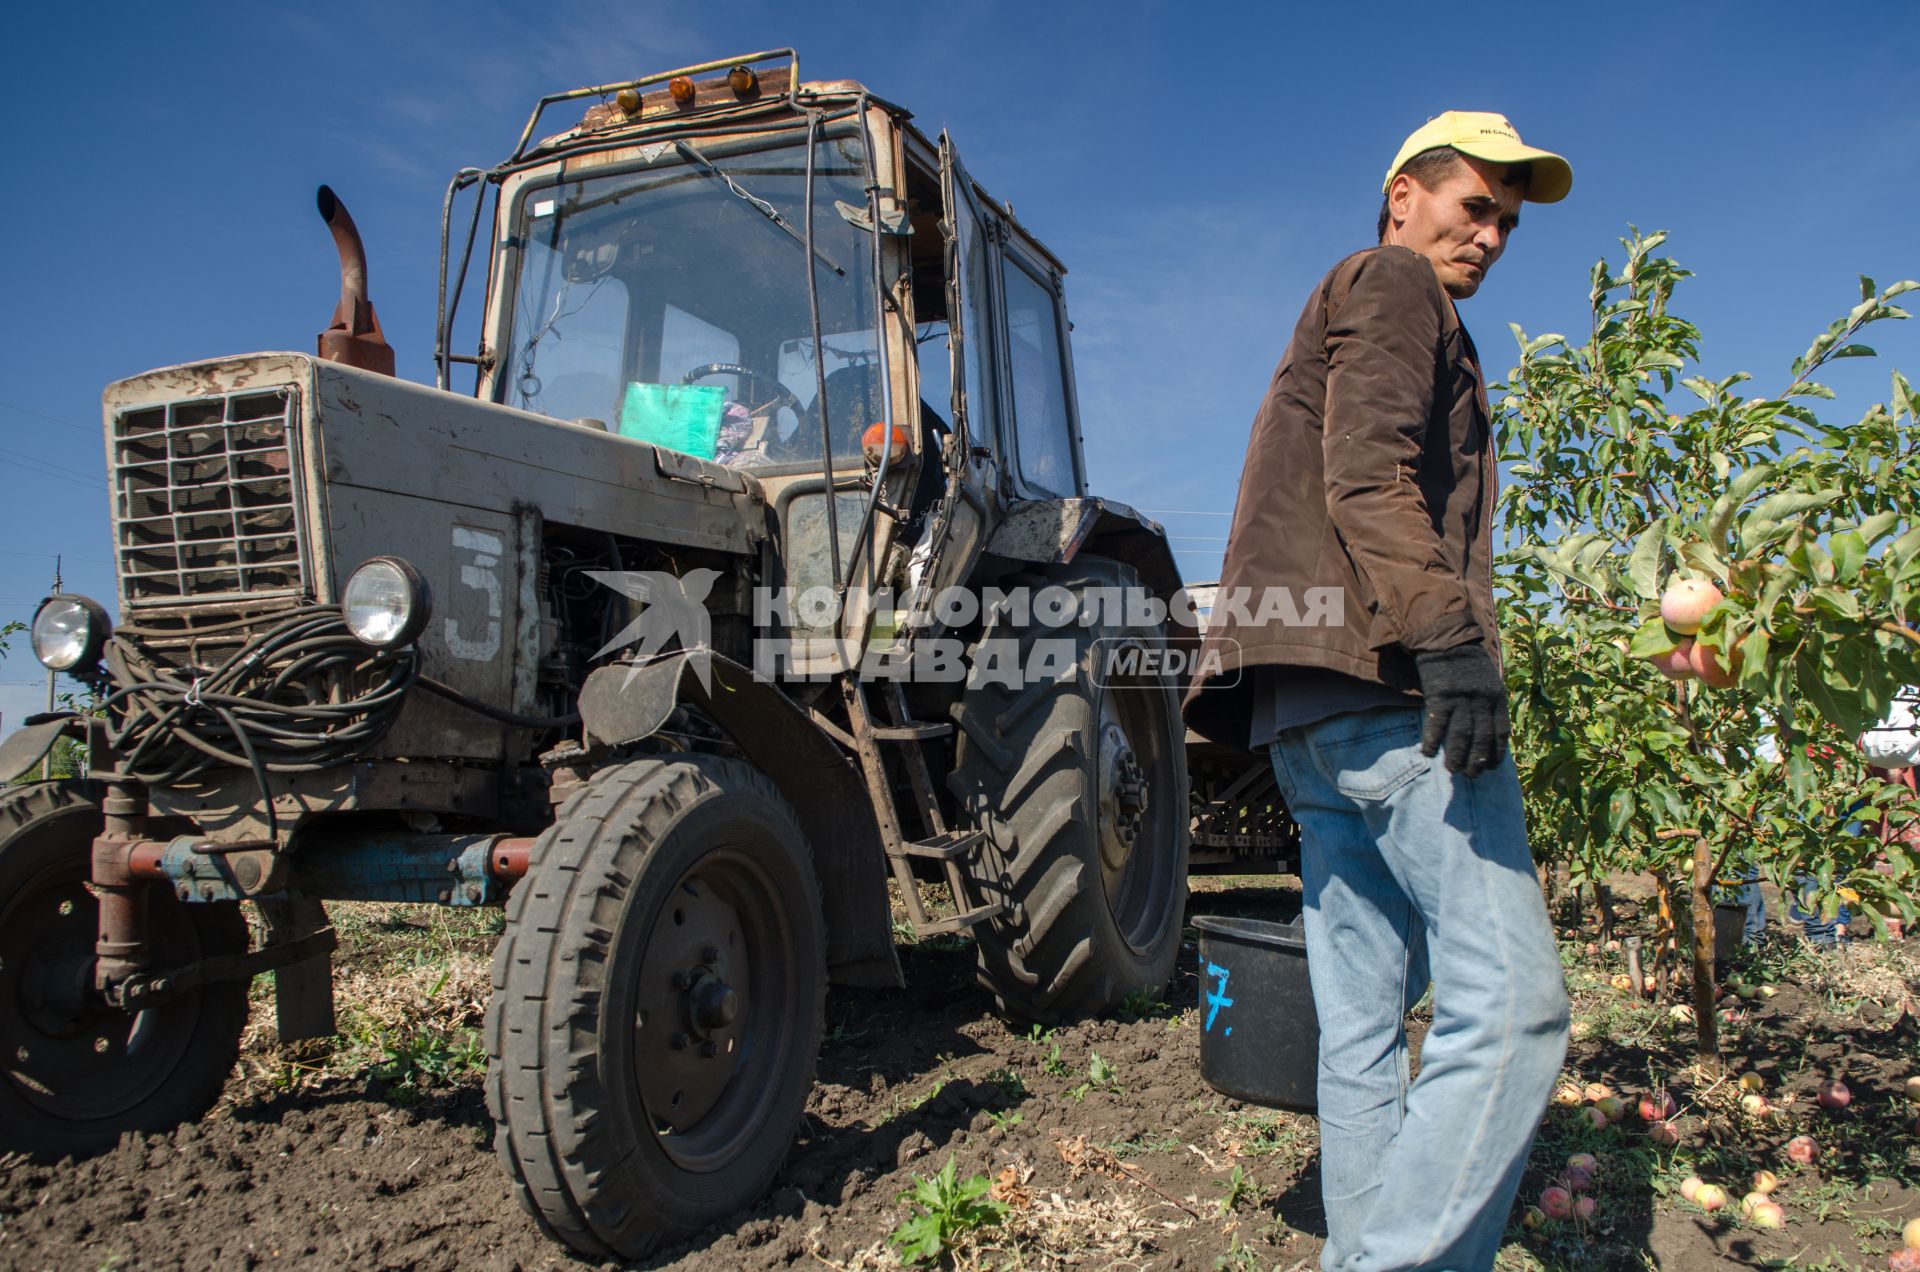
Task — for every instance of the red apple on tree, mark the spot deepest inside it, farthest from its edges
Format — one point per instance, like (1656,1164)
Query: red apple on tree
(1714,670)
(1676,664)
(1685,604)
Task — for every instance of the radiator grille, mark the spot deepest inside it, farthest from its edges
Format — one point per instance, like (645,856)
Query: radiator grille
(206,500)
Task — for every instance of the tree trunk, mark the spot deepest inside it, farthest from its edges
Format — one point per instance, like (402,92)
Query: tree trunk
(1603,903)
(1706,1021)
(1663,943)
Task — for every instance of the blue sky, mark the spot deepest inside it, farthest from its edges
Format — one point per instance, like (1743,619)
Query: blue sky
(1197,166)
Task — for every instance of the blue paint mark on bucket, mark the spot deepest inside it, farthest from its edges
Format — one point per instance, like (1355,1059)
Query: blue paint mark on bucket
(1217,998)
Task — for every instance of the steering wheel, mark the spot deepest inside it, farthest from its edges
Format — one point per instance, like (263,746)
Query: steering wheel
(779,396)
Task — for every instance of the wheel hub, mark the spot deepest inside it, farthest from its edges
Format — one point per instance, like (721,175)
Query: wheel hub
(694,999)
(1123,798)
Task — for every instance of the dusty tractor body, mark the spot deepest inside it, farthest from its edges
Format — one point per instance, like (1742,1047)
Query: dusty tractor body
(660,637)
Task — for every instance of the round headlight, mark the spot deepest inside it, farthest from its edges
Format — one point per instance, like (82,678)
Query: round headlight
(386,603)
(69,632)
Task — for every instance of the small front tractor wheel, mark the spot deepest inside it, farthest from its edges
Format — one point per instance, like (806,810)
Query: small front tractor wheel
(1078,774)
(657,1004)
(75,1073)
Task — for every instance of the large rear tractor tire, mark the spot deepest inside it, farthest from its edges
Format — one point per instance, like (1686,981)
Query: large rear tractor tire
(657,1004)
(75,1073)
(1080,781)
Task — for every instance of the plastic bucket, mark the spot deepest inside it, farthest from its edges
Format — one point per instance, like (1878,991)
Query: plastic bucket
(1259,1036)
(1729,925)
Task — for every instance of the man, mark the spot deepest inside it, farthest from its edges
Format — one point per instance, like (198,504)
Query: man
(1370,477)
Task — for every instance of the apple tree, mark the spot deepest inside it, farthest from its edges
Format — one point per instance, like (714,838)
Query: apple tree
(1788,554)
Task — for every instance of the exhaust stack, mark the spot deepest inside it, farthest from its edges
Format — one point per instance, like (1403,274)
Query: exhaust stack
(355,337)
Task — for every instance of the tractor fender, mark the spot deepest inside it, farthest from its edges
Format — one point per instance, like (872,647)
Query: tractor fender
(1055,531)
(625,702)
(28,745)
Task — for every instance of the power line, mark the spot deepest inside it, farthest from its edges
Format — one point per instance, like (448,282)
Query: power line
(51,419)
(47,463)
(39,472)
(49,555)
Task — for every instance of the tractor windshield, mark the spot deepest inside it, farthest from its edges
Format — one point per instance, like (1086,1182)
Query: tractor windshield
(669,302)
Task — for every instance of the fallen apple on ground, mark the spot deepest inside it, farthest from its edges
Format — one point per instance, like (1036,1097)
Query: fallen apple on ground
(1913,1089)
(1802,1149)
(1834,1095)
(1710,1197)
(1765,1181)
(1576,1179)
(1910,1235)
(1567,1096)
(1556,1202)
(1690,1187)
(1752,1082)
(1755,1104)
(1665,1134)
(1767,1214)
(1598,1091)
(1583,1207)
(1585,1161)
(1657,1107)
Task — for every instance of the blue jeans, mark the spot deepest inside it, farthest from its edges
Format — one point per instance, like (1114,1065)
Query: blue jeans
(1408,866)
(1819,931)
(1754,929)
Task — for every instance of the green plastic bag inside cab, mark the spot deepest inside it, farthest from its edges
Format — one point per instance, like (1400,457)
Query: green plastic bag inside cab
(682,417)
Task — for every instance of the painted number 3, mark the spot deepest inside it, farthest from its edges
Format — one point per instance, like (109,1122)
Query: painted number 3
(476,560)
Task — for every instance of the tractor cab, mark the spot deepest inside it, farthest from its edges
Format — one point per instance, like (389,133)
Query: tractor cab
(789,280)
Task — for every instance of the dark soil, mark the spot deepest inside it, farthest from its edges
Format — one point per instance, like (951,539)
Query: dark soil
(351,1173)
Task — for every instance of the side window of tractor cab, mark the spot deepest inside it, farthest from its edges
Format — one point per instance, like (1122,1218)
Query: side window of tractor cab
(1039,378)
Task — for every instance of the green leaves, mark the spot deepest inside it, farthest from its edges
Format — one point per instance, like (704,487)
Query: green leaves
(944,1211)
(1643,564)
(1651,639)
(1621,477)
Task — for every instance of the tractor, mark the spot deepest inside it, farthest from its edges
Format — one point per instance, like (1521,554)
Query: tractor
(750,593)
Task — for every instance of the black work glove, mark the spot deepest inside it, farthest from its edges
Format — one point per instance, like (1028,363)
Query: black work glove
(1466,708)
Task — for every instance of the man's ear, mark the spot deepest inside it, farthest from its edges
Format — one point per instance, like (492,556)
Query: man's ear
(1399,202)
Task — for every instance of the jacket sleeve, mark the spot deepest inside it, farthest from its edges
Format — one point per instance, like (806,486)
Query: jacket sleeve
(1383,337)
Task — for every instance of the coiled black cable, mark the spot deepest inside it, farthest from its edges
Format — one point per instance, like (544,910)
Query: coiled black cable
(300,696)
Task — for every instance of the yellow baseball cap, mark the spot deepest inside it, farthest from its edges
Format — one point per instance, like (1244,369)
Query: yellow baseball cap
(1488,136)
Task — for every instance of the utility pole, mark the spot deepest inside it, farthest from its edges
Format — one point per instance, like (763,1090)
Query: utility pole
(46,762)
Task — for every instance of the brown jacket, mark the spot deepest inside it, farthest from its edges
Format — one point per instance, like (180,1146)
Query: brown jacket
(1367,496)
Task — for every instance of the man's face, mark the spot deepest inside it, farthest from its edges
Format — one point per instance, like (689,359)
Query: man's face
(1461,226)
